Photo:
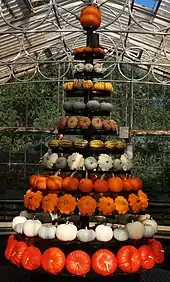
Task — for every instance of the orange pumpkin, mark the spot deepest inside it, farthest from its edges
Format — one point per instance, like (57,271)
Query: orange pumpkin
(70,183)
(136,183)
(32,200)
(99,51)
(127,185)
(54,182)
(87,49)
(78,51)
(115,184)
(32,180)
(90,17)
(101,185)
(41,182)
(86,184)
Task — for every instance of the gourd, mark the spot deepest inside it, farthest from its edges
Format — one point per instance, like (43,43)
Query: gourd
(70,183)
(126,162)
(98,68)
(143,217)
(18,228)
(93,105)
(79,67)
(108,86)
(104,233)
(88,67)
(51,160)
(115,184)
(31,227)
(87,84)
(120,234)
(117,164)
(75,161)
(18,219)
(86,235)
(106,107)
(101,185)
(54,182)
(66,232)
(85,184)
(68,106)
(135,230)
(43,162)
(90,17)
(105,162)
(99,85)
(79,106)
(151,222)
(90,163)
(77,84)
(47,232)
(149,231)
(61,163)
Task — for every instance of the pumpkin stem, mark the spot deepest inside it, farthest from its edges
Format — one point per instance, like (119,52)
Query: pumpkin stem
(103,176)
(58,172)
(107,266)
(73,174)
(86,174)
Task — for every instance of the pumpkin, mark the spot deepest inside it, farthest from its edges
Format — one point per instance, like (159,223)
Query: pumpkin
(78,263)
(149,231)
(17,252)
(93,105)
(32,200)
(87,49)
(143,199)
(104,262)
(18,228)
(98,68)
(31,258)
(135,230)
(121,204)
(90,163)
(143,216)
(68,106)
(99,51)
(70,183)
(18,219)
(134,203)
(32,180)
(66,232)
(127,185)
(49,202)
(136,183)
(41,182)
(86,235)
(75,161)
(99,85)
(87,84)
(147,257)
(47,232)
(53,260)
(51,160)
(104,233)
(88,67)
(108,87)
(77,50)
(106,205)
(54,182)
(150,222)
(31,227)
(101,185)
(90,17)
(10,246)
(77,84)
(61,163)
(105,162)
(79,68)
(157,250)
(117,164)
(86,205)
(115,184)
(108,107)
(128,259)
(86,184)
(66,204)
(120,234)
(79,106)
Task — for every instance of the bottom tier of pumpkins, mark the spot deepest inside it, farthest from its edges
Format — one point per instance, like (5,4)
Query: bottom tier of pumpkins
(105,262)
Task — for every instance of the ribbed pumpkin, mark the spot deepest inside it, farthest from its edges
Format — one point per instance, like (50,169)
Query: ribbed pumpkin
(32,180)
(54,182)
(136,183)
(115,184)
(86,184)
(90,17)
(70,183)
(41,182)
(127,185)
(101,185)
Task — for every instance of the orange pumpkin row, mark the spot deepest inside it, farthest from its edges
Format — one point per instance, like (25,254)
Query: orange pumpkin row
(87,205)
(114,184)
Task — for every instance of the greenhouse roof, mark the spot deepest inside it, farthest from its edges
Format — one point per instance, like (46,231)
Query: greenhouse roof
(34,31)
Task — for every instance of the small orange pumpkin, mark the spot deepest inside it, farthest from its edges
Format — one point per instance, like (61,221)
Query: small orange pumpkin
(86,205)
(49,202)
(87,49)
(54,182)
(86,184)
(106,205)
(32,180)
(78,51)
(90,17)
(70,183)
(127,185)
(41,182)
(136,183)
(32,200)
(101,185)
(99,51)
(115,184)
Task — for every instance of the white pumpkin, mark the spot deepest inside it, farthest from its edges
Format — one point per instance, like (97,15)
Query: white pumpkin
(135,230)
(104,233)
(105,162)
(18,228)
(75,161)
(120,234)
(86,235)
(151,222)
(18,219)
(117,164)
(143,216)
(149,231)
(88,67)
(47,232)
(66,232)
(31,227)
(51,160)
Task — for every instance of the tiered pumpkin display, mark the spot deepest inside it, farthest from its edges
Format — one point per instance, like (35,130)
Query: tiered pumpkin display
(89,182)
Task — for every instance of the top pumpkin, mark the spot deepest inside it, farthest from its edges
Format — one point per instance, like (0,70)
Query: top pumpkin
(90,17)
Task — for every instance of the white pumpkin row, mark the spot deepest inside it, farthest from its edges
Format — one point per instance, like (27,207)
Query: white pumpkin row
(68,232)
(77,161)
(89,68)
